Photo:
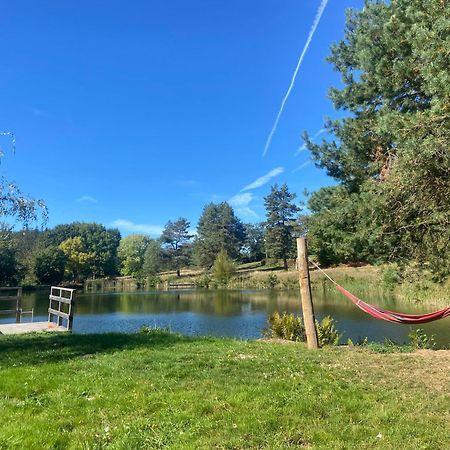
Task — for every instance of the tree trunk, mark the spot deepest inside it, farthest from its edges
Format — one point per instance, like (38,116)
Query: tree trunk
(178,273)
(285,263)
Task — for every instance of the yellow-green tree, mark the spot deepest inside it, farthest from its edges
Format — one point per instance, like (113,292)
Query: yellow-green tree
(79,260)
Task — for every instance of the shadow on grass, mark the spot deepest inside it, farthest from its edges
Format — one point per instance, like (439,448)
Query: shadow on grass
(43,348)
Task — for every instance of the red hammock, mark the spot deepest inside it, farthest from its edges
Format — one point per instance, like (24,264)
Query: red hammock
(392,316)
(384,314)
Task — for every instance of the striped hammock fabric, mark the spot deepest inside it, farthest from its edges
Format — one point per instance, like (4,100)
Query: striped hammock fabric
(392,316)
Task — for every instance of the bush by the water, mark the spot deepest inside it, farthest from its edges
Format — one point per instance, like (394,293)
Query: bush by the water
(327,333)
(285,326)
(420,340)
(291,327)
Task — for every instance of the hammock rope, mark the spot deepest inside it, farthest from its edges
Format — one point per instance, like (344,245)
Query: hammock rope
(384,314)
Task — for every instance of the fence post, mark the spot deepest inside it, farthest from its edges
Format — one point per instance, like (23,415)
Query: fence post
(71,310)
(19,305)
(305,291)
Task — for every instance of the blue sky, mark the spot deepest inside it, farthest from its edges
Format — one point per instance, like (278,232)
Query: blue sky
(133,113)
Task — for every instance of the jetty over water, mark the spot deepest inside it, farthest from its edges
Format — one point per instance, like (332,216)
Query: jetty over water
(60,312)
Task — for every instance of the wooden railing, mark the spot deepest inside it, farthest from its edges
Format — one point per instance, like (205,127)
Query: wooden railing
(14,294)
(61,306)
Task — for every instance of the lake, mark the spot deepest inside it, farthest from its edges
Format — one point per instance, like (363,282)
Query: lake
(234,313)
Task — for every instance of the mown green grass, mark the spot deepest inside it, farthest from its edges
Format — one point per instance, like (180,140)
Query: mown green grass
(161,390)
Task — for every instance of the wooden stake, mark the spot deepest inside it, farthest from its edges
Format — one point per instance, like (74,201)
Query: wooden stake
(305,291)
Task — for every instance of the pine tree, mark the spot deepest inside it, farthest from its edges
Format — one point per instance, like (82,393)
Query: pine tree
(218,229)
(280,213)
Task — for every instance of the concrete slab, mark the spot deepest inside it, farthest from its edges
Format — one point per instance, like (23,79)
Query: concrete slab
(32,327)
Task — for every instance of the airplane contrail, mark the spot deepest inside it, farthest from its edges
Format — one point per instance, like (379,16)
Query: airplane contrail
(317,18)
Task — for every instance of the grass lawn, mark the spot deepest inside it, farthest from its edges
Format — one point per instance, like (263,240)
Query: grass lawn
(161,390)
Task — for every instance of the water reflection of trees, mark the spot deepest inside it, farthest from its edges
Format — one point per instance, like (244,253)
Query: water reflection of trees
(228,303)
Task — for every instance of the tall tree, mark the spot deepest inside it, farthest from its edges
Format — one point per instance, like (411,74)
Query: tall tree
(218,229)
(153,259)
(392,146)
(99,241)
(253,249)
(49,265)
(131,254)
(78,258)
(175,239)
(280,213)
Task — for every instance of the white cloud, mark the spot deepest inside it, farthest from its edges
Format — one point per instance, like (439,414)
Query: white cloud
(128,225)
(301,166)
(87,199)
(261,181)
(241,203)
(241,199)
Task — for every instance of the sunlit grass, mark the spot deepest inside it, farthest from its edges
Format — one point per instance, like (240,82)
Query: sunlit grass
(161,390)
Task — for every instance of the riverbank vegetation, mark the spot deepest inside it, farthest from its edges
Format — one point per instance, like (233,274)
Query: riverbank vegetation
(160,390)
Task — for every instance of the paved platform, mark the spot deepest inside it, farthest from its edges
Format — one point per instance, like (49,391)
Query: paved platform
(32,327)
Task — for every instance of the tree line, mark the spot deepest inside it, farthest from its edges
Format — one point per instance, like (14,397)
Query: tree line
(77,251)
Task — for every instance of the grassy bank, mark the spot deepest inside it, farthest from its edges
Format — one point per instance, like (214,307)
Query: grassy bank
(161,390)
(414,288)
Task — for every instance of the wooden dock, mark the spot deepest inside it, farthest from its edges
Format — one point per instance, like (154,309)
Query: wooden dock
(60,314)
(30,327)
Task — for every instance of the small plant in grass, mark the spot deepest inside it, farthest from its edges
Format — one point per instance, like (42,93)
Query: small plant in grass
(420,340)
(327,333)
(285,326)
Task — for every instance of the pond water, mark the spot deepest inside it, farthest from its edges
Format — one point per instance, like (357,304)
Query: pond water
(241,314)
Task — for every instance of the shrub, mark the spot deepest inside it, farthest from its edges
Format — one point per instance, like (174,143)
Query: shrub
(223,268)
(271,281)
(420,340)
(153,281)
(285,326)
(327,333)
(203,282)
(390,277)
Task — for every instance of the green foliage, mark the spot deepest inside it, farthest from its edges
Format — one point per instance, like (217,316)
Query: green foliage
(49,265)
(420,340)
(131,254)
(223,269)
(253,249)
(10,269)
(390,153)
(78,258)
(327,333)
(285,326)
(153,259)
(101,243)
(390,277)
(152,281)
(271,281)
(218,229)
(280,213)
(203,282)
(175,239)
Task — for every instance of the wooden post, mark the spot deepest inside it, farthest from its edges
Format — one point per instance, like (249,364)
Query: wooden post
(19,305)
(71,307)
(305,291)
